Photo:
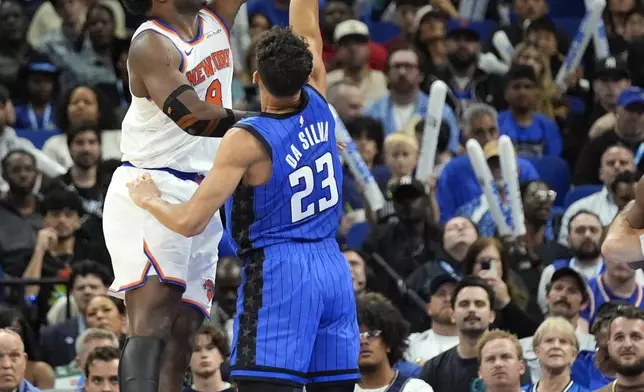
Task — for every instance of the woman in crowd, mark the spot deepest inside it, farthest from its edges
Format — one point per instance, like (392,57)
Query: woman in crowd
(106,312)
(78,105)
(39,373)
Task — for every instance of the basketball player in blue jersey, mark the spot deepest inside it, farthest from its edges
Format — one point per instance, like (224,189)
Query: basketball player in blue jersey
(296,315)
(175,98)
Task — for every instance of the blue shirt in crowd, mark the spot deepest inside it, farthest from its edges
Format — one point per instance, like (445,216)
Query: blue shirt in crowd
(541,138)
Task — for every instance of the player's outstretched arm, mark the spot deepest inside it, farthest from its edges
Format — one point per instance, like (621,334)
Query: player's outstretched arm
(623,243)
(191,218)
(155,61)
(304,17)
(227,10)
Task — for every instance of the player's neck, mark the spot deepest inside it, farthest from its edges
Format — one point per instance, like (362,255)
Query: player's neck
(84,177)
(206,384)
(553,380)
(378,378)
(624,381)
(185,25)
(280,105)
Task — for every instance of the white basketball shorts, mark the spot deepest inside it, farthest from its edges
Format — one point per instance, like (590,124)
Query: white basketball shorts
(141,247)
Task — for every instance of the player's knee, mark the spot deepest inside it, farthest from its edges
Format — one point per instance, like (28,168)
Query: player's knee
(343,386)
(260,386)
(187,323)
(140,364)
(152,309)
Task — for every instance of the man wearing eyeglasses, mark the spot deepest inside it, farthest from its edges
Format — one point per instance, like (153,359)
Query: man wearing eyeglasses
(383,340)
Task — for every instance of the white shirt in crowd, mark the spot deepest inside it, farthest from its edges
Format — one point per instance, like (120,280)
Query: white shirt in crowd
(424,346)
(601,203)
(412,385)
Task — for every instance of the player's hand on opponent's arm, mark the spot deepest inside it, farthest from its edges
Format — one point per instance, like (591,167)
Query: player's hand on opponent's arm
(142,189)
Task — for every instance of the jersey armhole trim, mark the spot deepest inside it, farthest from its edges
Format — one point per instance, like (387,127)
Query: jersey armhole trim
(210,10)
(253,131)
(182,64)
(316,91)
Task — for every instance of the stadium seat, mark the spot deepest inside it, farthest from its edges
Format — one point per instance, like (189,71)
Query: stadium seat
(37,136)
(581,191)
(483,27)
(357,235)
(556,173)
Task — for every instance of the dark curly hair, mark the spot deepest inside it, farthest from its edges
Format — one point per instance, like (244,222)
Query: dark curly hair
(284,61)
(12,318)
(377,312)
(104,354)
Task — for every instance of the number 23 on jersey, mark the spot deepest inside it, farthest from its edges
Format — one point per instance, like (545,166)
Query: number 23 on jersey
(307,175)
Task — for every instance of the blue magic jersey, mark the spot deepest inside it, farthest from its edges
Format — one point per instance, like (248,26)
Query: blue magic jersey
(301,201)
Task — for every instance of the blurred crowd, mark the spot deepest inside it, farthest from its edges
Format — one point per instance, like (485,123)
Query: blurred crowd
(431,273)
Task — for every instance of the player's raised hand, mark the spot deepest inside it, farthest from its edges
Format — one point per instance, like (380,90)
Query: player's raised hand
(142,189)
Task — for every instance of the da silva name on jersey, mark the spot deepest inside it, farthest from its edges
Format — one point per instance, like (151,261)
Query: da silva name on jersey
(310,136)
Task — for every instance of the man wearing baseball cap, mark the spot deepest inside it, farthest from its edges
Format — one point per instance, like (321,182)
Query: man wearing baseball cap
(629,131)
(443,335)
(352,40)
(610,79)
(567,296)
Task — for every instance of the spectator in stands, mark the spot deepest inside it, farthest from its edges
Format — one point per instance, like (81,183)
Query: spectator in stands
(227,281)
(566,297)
(457,368)
(346,98)
(352,40)
(443,335)
(405,99)
(629,131)
(101,370)
(537,199)
(616,14)
(80,105)
(429,28)
(257,24)
(611,77)
(9,141)
(501,361)
(459,233)
(210,350)
(37,110)
(543,33)
(106,312)
(401,156)
(464,77)
(37,372)
(358,267)
(71,375)
(14,48)
(623,188)
(584,241)
(615,160)
(458,190)
(88,278)
(532,133)
(56,19)
(383,335)
(527,11)
(528,53)
(488,260)
(626,349)
(19,211)
(618,283)
(334,13)
(556,348)
(84,145)
(58,246)
(407,242)
(600,358)
(13,363)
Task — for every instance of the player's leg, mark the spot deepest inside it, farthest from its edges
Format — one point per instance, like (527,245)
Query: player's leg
(150,266)
(334,362)
(277,316)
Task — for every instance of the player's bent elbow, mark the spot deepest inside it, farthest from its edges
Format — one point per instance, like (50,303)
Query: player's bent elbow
(190,229)
(620,249)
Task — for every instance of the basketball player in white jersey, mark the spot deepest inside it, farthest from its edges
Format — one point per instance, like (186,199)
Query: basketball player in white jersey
(180,71)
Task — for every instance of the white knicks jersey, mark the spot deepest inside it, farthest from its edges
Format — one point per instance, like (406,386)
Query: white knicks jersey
(150,139)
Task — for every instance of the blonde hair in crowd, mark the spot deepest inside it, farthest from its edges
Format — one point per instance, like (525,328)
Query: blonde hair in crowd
(497,334)
(397,138)
(557,325)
